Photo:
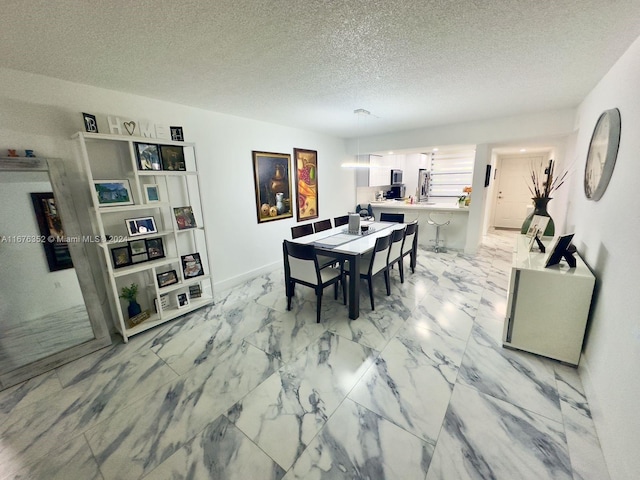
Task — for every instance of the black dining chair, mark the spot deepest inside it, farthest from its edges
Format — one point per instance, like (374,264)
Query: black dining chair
(298,231)
(395,252)
(339,221)
(392,217)
(375,262)
(322,225)
(408,244)
(301,266)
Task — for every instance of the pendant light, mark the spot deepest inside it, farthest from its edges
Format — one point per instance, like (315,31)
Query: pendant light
(359,112)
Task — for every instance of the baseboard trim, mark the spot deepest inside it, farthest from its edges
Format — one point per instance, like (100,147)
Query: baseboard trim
(244,277)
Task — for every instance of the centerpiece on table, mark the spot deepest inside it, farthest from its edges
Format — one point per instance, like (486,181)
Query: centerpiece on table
(543,184)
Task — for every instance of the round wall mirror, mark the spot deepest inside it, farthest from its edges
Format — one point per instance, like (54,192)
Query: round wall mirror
(603,150)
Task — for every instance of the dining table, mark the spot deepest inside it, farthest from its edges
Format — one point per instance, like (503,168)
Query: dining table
(338,243)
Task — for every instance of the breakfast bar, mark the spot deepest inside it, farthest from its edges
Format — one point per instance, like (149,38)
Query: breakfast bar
(454,235)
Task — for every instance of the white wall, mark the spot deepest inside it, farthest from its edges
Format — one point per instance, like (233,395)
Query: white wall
(43,113)
(607,235)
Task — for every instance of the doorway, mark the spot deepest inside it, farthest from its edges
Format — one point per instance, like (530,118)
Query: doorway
(513,198)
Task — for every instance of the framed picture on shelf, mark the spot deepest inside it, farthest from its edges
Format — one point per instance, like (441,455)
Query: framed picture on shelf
(306,163)
(182,300)
(137,247)
(151,193)
(192,265)
(184,217)
(113,193)
(272,185)
(154,248)
(167,278)
(141,226)
(164,302)
(121,256)
(195,291)
(50,225)
(143,257)
(173,158)
(148,156)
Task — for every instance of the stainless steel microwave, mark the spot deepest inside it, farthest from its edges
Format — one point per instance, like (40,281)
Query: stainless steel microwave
(396,177)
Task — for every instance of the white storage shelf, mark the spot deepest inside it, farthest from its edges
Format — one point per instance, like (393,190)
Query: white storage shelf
(113,157)
(547,308)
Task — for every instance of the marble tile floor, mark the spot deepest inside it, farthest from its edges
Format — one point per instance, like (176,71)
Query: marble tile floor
(420,388)
(23,342)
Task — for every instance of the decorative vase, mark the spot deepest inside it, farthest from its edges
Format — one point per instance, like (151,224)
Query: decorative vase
(134,308)
(277,184)
(540,208)
(280,203)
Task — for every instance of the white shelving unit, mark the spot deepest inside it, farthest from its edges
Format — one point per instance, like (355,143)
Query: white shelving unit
(547,308)
(113,157)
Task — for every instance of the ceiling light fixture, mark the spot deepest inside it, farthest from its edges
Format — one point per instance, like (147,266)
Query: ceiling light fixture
(359,112)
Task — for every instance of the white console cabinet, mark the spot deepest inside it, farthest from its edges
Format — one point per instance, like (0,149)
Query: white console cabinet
(547,308)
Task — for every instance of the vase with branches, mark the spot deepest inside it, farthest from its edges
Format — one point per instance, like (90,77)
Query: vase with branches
(130,293)
(543,184)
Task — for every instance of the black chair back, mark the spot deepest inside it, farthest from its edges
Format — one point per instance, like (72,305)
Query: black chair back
(339,221)
(322,225)
(392,217)
(365,211)
(301,230)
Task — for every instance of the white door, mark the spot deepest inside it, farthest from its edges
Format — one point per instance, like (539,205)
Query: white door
(513,195)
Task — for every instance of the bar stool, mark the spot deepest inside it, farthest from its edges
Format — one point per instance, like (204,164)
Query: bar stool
(439,219)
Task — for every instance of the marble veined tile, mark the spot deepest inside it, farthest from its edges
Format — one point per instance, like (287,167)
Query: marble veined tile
(483,437)
(220,451)
(138,438)
(571,390)
(373,328)
(284,413)
(29,391)
(72,460)
(450,315)
(517,377)
(31,432)
(211,338)
(357,443)
(287,335)
(411,382)
(493,304)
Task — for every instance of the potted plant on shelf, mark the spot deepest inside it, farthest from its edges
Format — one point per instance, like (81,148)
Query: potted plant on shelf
(542,186)
(130,293)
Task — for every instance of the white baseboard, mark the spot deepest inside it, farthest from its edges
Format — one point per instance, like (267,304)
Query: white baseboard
(244,277)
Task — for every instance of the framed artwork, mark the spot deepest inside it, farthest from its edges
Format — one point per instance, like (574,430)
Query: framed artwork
(151,193)
(154,248)
(306,162)
(141,226)
(195,291)
(177,134)
(148,156)
(50,225)
(184,217)
(182,300)
(138,247)
(121,256)
(167,278)
(90,123)
(113,192)
(172,158)
(273,186)
(538,225)
(164,302)
(559,249)
(192,265)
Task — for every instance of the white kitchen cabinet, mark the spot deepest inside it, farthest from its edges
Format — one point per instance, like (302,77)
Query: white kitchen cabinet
(547,308)
(178,246)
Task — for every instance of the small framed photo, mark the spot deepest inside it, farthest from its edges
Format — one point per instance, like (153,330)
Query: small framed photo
(195,291)
(184,217)
(148,156)
(121,256)
(167,278)
(90,123)
(143,257)
(141,226)
(192,265)
(164,302)
(182,300)
(137,247)
(151,193)
(177,134)
(173,158)
(155,248)
(113,192)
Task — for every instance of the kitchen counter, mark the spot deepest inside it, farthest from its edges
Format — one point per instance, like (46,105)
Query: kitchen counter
(454,235)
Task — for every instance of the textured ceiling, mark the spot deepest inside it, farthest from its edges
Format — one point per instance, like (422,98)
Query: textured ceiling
(311,63)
